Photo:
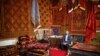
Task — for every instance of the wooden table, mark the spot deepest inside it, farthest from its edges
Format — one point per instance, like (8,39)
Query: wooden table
(55,41)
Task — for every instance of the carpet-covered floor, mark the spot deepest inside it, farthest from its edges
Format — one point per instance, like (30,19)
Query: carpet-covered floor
(59,52)
(74,52)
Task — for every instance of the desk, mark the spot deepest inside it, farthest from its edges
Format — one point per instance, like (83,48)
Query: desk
(55,41)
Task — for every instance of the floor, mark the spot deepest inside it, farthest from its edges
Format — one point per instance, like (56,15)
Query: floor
(83,53)
(73,53)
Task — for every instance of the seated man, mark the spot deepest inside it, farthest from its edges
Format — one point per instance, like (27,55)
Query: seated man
(66,41)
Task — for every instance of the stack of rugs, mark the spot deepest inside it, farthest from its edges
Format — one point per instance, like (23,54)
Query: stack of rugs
(40,45)
(87,47)
(10,50)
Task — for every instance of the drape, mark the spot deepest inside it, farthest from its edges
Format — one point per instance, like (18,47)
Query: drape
(35,13)
(91,26)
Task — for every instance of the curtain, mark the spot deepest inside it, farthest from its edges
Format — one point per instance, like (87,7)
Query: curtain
(91,26)
(35,13)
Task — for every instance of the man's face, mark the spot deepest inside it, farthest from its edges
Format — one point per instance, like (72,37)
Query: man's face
(67,32)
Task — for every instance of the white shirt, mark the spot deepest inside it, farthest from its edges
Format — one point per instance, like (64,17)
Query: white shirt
(66,38)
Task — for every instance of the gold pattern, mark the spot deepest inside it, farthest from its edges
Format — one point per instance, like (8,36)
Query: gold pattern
(17,19)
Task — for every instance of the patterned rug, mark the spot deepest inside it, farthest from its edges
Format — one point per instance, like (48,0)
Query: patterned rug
(87,47)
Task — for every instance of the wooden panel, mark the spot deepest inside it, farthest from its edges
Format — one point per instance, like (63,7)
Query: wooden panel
(55,42)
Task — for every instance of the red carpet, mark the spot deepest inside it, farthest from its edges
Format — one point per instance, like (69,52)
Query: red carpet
(57,52)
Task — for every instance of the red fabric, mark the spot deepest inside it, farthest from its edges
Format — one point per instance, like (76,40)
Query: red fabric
(40,45)
(50,21)
(57,52)
(82,3)
(91,26)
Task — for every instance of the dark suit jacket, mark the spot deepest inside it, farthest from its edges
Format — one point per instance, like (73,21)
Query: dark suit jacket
(68,40)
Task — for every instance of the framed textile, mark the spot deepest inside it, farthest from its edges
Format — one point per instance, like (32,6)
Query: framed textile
(79,38)
(55,29)
(78,21)
(58,17)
